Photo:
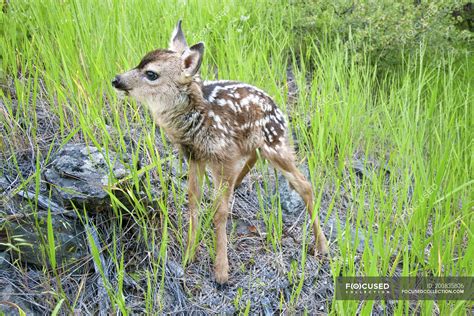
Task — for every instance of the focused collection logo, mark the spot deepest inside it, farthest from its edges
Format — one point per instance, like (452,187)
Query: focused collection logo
(367,288)
(405,288)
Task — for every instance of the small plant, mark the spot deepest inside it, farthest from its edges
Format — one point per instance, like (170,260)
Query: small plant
(237,298)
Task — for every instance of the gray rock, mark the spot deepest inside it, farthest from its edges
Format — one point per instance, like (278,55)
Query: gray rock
(4,260)
(26,237)
(360,169)
(174,268)
(3,184)
(80,174)
(266,306)
(331,223)
(10,301)
(291,201)
(366,168)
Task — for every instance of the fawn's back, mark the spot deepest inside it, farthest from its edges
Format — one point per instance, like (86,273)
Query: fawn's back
(232,118)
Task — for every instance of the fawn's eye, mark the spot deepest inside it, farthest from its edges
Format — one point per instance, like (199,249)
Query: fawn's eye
(151,75)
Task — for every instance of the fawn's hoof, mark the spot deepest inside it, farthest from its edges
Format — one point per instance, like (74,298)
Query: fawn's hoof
(319,254)
(321,248)
(221,274)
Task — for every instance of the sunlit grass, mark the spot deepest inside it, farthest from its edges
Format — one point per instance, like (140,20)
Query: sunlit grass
(415,209)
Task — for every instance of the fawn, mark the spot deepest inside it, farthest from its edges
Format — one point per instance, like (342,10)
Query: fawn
(219,124)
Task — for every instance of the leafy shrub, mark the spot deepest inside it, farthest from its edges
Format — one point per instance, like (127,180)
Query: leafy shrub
(385,28)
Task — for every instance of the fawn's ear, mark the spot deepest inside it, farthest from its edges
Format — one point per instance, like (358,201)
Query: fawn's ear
(192,58)
(177,41)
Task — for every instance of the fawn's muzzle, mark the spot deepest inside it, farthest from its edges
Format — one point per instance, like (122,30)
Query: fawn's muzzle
(118,84)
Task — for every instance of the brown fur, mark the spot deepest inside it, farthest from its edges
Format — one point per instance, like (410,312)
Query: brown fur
(220,124)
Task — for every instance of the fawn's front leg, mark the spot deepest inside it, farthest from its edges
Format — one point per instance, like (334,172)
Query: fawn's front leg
(195,177)
(221,268)
(224,180)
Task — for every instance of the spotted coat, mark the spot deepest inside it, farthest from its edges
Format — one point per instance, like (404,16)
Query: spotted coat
(229,118)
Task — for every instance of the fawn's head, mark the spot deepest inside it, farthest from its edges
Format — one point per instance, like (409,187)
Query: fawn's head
(163,73)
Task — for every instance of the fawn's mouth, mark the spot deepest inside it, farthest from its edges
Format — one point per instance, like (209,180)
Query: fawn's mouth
(122,93)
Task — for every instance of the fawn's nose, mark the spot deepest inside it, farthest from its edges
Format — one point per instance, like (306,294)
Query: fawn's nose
(119,84)
(116,82)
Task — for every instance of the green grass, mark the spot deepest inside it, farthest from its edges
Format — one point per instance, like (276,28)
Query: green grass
(415,121)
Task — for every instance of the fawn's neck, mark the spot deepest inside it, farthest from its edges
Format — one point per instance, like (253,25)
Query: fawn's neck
(182,117)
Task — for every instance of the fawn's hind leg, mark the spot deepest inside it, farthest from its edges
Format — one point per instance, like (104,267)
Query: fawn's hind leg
(284,161)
